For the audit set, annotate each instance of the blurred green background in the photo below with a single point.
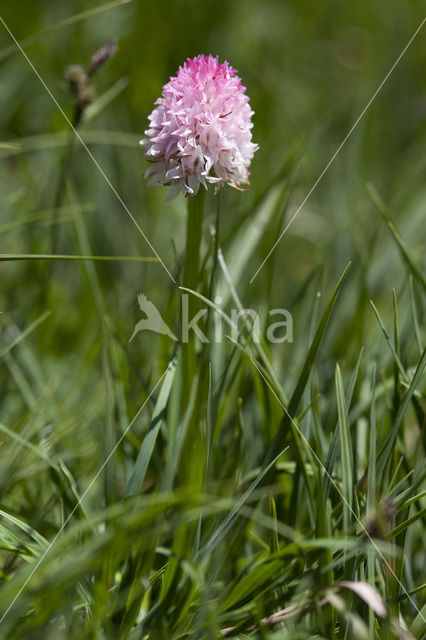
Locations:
(310, 69)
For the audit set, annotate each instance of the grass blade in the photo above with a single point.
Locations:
(8, 257)
(142, 462)
(306, 369)
(345, 452)
(386, 448)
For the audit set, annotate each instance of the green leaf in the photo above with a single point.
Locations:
(142, 462)
(251, 583)
(304, 375)
(334, 445)
(390, 343)
(386, 448)
(345, 452)
(8, 257)
(408, 259)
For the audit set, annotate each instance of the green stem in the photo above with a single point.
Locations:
(190, 280)
(193, 240)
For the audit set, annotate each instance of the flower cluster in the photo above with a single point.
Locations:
(200, 130)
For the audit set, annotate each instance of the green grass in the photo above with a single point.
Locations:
(230, 489)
